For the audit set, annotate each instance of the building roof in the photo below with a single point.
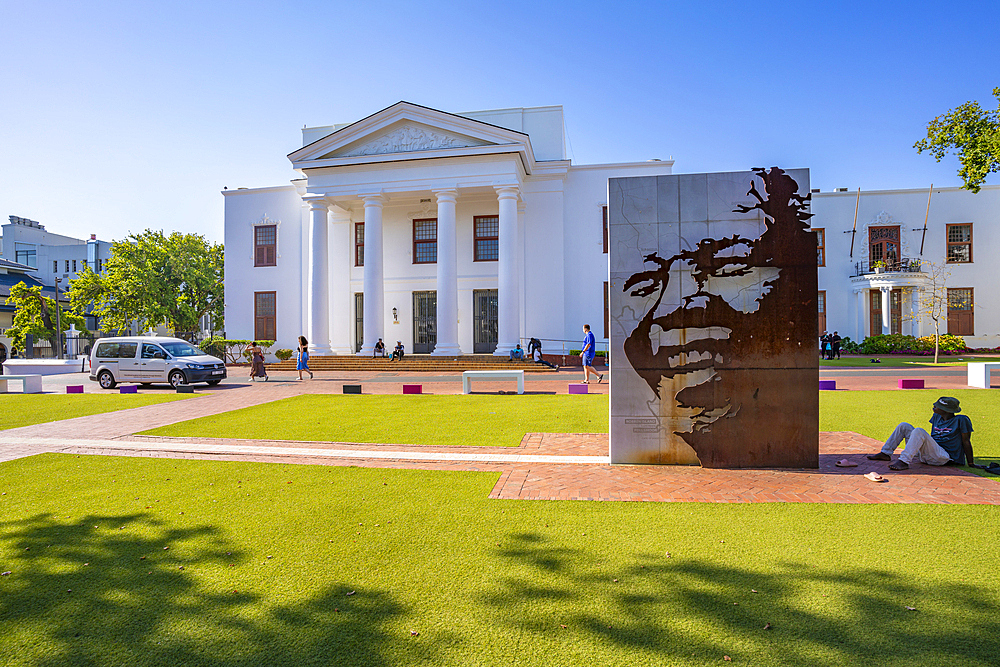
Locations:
(7, 264)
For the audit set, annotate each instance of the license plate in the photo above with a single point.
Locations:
(217, 372)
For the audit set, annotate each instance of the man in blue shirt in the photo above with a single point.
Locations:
(588, 353)
(949, 441)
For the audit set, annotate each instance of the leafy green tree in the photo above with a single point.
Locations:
(151, 279)
(36, 315)
(973, 135)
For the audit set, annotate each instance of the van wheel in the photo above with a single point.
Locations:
(106, 380)
(177, 379)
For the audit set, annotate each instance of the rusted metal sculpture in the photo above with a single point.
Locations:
(745, 377)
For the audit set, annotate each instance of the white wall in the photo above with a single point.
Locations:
(243, 209)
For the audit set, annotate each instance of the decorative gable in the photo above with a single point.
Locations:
(407, 131)
(407, 138)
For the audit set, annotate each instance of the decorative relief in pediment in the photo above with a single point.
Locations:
(408, 139)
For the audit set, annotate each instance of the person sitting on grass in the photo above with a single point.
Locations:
(517, 353)
(949, 442)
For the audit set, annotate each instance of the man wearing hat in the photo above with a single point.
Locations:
(949, 440)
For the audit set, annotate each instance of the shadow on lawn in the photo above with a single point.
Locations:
(685, 608)
(82, 593)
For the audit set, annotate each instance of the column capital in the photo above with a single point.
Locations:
(446, 194)
(507, 191)
(372, 199)
(316, 202)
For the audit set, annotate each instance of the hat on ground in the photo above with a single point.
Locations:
(948, 404)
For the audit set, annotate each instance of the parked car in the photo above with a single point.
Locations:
(148, 359)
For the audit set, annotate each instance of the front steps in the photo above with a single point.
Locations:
(412, 363)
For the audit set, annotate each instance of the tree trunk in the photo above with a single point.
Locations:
(937, 339)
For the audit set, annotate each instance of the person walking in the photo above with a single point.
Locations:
(302, 361)
(587, 355)
(257, 362)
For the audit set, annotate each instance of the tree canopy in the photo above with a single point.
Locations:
(35, 314)
(973, 135)
(152, 278)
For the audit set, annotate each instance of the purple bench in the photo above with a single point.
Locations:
(413, 388)
(128, 389)
(827, 385)
(578, 388)
(910, 383)
(74, 389)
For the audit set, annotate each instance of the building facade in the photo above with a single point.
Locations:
(467, 233)
(875, 274)
(453, 233)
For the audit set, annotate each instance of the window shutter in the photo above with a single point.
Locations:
(260, 257)
(270, 256)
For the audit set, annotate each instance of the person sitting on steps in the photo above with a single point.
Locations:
(517, 353)
(397, 352)
(379, 349)
(948, 443)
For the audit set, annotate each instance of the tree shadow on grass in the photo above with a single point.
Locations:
(677, 609)
(128, 589)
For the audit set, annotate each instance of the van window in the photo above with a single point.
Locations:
(107, 350)
(150, 351)
(127, 350)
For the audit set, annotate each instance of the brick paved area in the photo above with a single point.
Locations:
(544, 466)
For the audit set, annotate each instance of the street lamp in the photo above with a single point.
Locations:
(58, 322)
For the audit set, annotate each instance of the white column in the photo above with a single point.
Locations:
(885, 310)
(340, 281)
(374, 289)
(508, 324)
(447, 275)
(862, 307)
(918, 317)
(319, 276)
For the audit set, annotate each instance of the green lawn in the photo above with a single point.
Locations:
(876, 414)
(899, 361)
(131, 561)
(394, 419)
(27, 409)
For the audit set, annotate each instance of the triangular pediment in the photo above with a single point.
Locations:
(410, 131)
(406, 137)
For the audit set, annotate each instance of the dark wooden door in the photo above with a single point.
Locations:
(485, 304)
(424, 322)
(883, 245)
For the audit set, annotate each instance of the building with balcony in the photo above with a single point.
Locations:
(873, 275)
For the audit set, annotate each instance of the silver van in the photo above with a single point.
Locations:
(149, 359)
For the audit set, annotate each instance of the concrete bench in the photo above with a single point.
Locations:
(469, 376)
(352, 388)
(827, 385)
(579, 388)
(979, 374)
(910, 383)
(30, 384)
(413, 388)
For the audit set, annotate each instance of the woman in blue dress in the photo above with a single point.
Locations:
(302, 361)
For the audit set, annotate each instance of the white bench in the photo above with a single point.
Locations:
(30, 384)
(979, 374)
(469, 376)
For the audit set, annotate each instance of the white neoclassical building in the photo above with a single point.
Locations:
(453, 233)
(465, 233)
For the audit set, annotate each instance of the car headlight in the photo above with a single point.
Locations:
(197, 367)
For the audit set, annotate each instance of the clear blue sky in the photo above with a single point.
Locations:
(119, 116)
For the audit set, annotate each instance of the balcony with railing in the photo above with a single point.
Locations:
(904, 265)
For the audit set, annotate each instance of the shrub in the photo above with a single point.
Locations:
(231, 351)
(849, 346)
(283, 354)
(902, 344)
(599, 353)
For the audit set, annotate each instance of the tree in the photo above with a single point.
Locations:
(933, 300)
(36, 315)
(152, 279)
(972, 134)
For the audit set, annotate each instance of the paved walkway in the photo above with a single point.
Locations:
(543, 466)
